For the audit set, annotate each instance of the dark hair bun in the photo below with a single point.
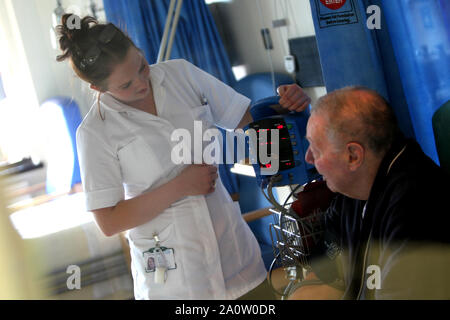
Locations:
(70, 31)
(94, 49)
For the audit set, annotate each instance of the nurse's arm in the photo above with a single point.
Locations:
(128, 214)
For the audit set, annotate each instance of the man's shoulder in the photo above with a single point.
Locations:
(414, 196)
(416, 172)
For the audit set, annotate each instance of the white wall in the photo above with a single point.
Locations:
(50, 78)
(32, 74)
(244, 20)
(60, 79)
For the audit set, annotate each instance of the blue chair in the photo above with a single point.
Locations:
(259, 85)
(61, 116)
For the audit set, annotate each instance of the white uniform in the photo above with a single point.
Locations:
(216, 254)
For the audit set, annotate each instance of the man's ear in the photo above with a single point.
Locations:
(94, 87)
(356, 155)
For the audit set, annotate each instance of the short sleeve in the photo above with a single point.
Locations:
(227, 106)
(100, 171)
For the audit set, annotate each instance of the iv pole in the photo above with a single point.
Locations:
(166, 47)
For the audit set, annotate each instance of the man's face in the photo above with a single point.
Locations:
(329, 161)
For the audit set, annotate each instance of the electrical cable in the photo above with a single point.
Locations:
(291, 194)
(288, 289)
(272, 71)
(270, 275)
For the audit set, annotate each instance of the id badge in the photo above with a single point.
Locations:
(159, 257)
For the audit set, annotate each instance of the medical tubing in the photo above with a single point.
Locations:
(270, 275)
(288, 289)
(282, 213)
(273, 179)
(303, 283)
(282, 210)
(272, 201)
(291, 194)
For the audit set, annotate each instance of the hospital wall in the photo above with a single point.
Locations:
(240, 23)
(33, 21)
(35, 74)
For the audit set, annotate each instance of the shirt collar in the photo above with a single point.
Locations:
(388, 164)
(108, 101)
(397, 149)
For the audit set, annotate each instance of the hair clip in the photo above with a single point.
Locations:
(107, 34)
(93, 53)
(90, 57)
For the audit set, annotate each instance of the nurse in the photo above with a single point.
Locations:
(187, 237)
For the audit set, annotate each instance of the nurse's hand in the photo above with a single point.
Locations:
(197, 179)
(293, 97)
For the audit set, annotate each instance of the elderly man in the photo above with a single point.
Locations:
(387, 231)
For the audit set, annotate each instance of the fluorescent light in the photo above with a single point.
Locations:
(239, 71)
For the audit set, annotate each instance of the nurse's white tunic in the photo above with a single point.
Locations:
(216, 254)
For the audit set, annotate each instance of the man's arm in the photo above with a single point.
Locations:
(325, 261)
(316, 291)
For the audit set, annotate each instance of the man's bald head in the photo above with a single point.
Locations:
(358, 114)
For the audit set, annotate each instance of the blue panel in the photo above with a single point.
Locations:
(347, 52)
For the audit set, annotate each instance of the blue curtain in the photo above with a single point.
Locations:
(197, 41)
(420, 35)
(407, 60)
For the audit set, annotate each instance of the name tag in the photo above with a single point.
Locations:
(159, 257)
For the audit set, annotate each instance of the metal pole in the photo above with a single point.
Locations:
(162, 47)
(174, 29)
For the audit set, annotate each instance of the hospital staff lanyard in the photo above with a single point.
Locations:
(160, 263)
